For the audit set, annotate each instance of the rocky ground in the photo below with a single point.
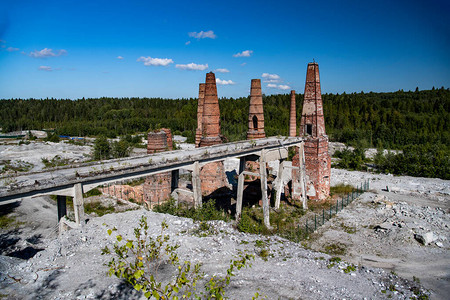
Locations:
(378, 233)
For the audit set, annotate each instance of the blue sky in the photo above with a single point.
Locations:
(74, 49)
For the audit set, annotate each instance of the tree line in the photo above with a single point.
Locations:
(392, 120)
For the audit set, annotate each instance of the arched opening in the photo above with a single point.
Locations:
(255, 123)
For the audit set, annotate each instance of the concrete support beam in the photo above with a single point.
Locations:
(265, 198)
(279, 186)
(251, 173)
(196, 185)
(78, 204)
(302, 170)
(240, 189)
(62, 209)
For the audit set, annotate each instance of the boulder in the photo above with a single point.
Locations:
(425, 239)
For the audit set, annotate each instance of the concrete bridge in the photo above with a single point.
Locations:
(75, 180)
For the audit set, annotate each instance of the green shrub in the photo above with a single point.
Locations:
(138, 262)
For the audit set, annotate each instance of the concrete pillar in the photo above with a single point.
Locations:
(62, 209)
(240, 189)
(302, 172)
(175, 179)
(279, 186)
(78, 204)
(196, 185)
(265, 199)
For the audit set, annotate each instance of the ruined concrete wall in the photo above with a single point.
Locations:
(201, 100)
(317, 159)
(293, 116)
(256, 112)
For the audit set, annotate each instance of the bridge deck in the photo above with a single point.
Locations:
(61, 180)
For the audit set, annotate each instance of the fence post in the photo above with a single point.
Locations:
(306, 228)
(315, 222)
(323, 216)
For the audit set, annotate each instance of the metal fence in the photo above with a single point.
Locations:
(311, 225)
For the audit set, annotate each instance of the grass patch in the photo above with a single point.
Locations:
(15, 166)
(56, 161)
(91, 193)
(98, 208)
(348, 229)
(341, 189)
(6, 221)
(207, 212)
(335, 249)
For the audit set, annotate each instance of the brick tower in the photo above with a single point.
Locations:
(256, 112)
(201, 99)
(157, 187)
(312, 128)
(212, 175)
(293, 116)
(211, 114)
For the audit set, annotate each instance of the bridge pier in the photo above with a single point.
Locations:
(78, 204)
(196, 185)
(265, 198)
(279, 186)
(62, 209)
(240, 189)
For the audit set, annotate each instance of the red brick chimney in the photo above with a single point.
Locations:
(312, 127)
(211, 113)
(293, 116)
(212, 175)
(201, 99)
(256, 112)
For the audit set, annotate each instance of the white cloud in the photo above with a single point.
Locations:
(243, 64)
(271, 77)
(47, 53)
(222, 70)
(119, 57)
(203, 34)
(192, 66)
(284, 87)
(245, 53)
(278, 86)
(224, 82)
(12, 49)
(187, 43)
(45, 68)
(150, 61)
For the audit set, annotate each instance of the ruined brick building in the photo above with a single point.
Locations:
(157, 188)
(312, 128)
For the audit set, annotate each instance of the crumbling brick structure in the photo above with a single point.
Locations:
(201, 99)
(157, 188)
(212, 175)
(256, 112)
(312, 128)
